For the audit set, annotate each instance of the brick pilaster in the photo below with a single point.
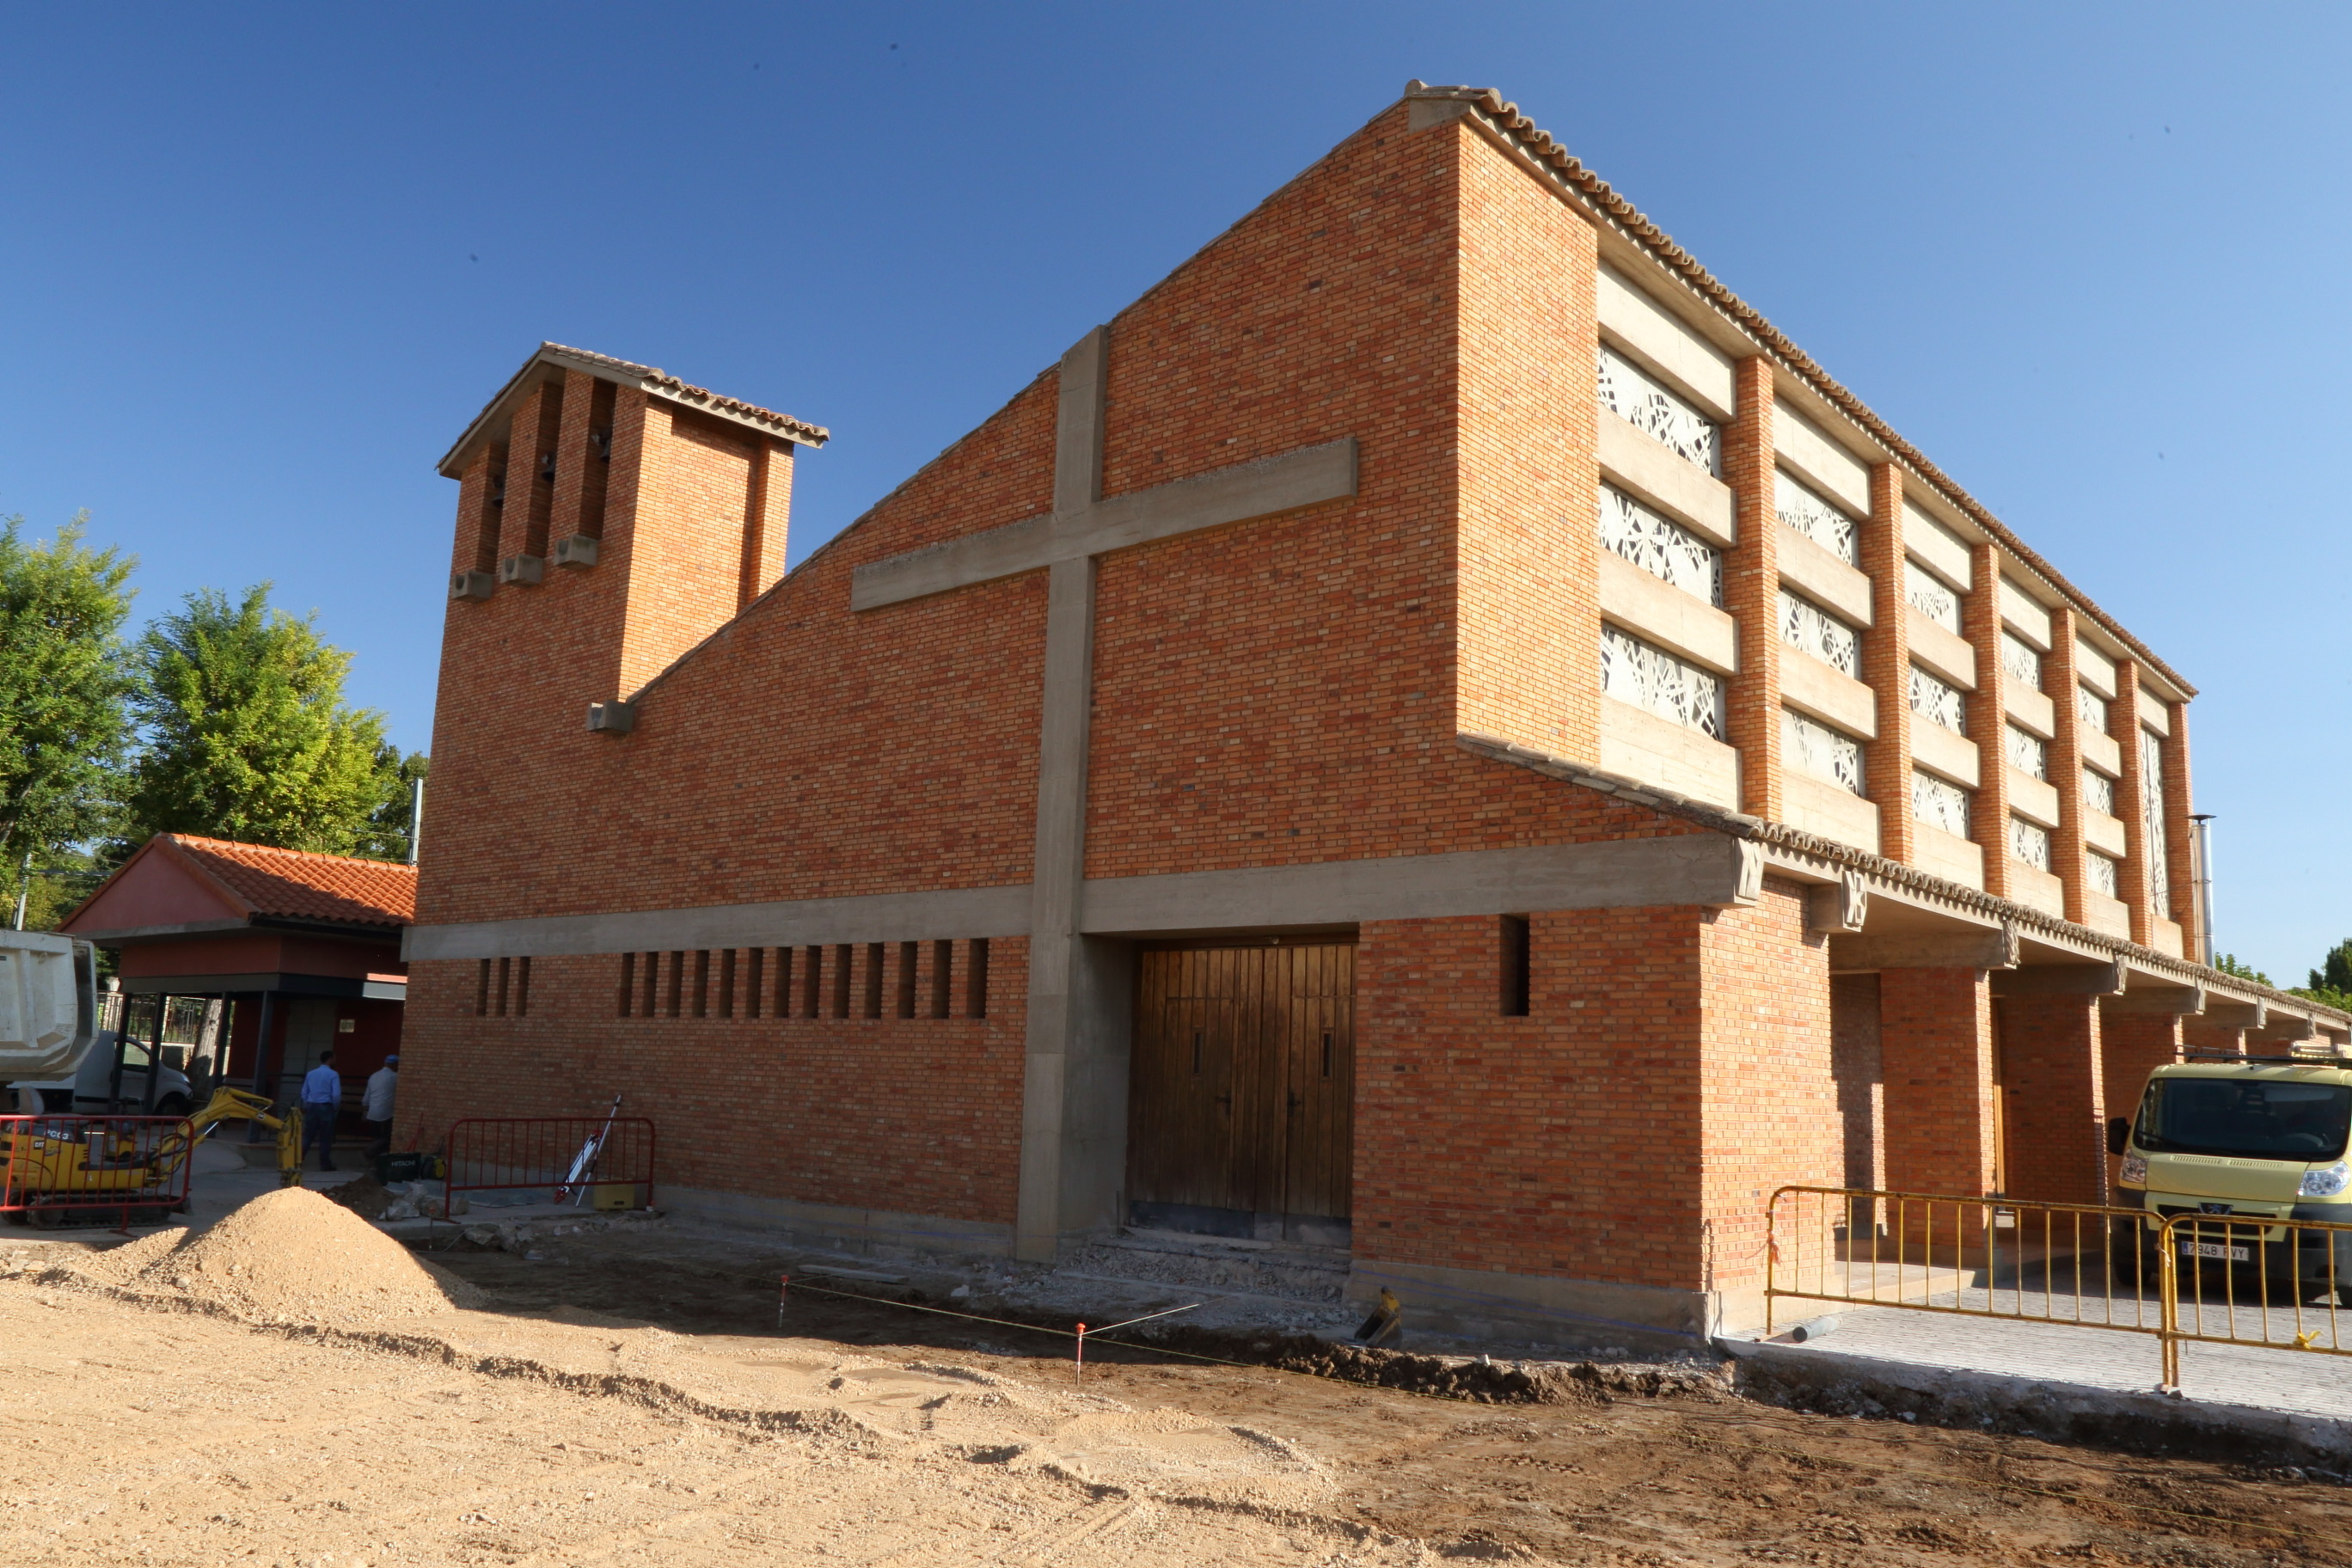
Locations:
(477, 524)
(1751, 591)
(2181, 835)
(2123, 722)
(2053, 1098)
(526, 495)
(1987, 717)
(572, 456)
(1887, 662)
(2061, 677)
(767, 519)
(2131, 1046)
(1935, 1045)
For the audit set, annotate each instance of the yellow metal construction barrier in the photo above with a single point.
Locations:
(2212, 1279)
(2245, 1280)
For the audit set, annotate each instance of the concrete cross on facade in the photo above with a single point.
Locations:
(1075, 1082)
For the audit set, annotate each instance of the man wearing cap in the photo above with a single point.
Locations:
(375, 1107)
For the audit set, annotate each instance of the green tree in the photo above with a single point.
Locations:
(2228, 965)
(245, 734)
(387, 835)
(2331, 983)
(65, 688)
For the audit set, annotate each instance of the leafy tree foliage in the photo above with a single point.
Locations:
(2331, 983)
(387, 835)
(245, 735)
(64, 687)
(2228, 965)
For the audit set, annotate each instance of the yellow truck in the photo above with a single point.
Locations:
(2247, 1145)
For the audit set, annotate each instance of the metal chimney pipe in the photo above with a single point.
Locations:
(416, 818)
(2204, 842)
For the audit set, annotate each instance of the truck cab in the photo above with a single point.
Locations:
(2243, 1139)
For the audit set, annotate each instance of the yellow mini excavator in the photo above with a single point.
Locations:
(60, 1167)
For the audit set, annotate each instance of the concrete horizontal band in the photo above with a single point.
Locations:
(1704, 868)
(1482, 1304)
(348, 985)
(792, 922)
(881, 1233)
(1305, 477)
(1692, 869)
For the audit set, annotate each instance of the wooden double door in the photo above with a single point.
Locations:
(1242, 1085)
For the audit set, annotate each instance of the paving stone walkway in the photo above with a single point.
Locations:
(2059, 1352)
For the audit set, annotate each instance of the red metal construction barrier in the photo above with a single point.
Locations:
(493, 1154)
(87, 1170)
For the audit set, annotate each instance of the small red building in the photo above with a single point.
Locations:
(304, 949)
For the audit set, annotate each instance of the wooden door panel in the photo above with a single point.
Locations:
(1242, 1079)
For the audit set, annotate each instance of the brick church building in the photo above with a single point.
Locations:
(1437, 732)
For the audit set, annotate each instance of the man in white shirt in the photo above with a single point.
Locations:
(322, 1102)
(375, 1105)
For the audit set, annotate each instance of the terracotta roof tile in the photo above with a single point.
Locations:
(298, 885)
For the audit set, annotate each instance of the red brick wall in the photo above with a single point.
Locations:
(1673, 1068)
(1935, 1050)
(2053, 1098)
(918, 1116)
(2132, 1045)
(1525, 601)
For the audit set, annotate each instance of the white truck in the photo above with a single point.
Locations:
(54, 1059)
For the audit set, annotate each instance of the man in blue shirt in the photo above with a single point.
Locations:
(322, 1100)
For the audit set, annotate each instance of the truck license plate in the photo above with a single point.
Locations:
(2218, 1250)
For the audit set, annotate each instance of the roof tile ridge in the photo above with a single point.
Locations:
(1544, 148)
(1741, 824)
(176, 846)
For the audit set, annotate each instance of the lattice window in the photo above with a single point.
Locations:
(2151, 795)
(1631, 394)
(2027, 753)
(1938, 702)
(1634, 671)
(1939, 804)
(1816, 519)
(2030, 842)
(1821, 751)
(2091, 709)
(2098, 791)
(2021, 660)
(1661, 546)
(2105, 875)
(1806, 625)
(1930, 598)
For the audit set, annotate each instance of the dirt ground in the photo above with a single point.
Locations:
(623, 1400)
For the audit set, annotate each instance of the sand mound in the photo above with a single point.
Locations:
(292, 1254)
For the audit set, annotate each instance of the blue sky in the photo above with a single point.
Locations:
(261, 264)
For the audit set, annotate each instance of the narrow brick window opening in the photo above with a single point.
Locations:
(727, 983)
(653, 986)
(942, 975)
(755, 963)
(629, 982)
(482, 991)
(677, 983)
(873, 980)
(523, 987)
(812, 983)
(841, 951)
(702, 982)
(506, 979)
(1514, 941)
(975, 993)
(908, 953)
